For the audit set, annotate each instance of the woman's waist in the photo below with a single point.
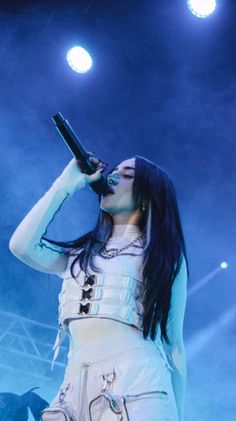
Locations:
(82, 331)
(97, 339)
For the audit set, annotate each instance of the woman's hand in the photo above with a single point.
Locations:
(101, 166)
(72, 178)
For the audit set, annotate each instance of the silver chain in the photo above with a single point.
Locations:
(109, 254)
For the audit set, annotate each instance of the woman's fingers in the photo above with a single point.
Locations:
(94, 160)
(101, 166)
(97, 161)
(95, 176)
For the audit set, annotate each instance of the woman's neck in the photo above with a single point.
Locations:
(126, 230)
(129, 217)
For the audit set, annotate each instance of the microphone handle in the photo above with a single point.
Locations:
(82, 156)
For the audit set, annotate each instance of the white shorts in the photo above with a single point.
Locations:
(122, 378)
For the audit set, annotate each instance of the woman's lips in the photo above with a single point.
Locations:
(110, 192)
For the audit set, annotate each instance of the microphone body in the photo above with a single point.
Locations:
(101, 187)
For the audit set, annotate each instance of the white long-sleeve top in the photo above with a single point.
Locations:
(27, 244)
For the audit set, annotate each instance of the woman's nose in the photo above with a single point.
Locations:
(113, 178)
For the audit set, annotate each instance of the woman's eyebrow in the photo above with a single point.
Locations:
(126, 167)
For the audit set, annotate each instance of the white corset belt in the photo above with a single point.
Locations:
(109, 296)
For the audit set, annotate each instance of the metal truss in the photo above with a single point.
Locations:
(26, 346)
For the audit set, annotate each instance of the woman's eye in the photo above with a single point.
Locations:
(128, 176)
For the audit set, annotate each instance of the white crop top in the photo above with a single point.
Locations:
(115, 292)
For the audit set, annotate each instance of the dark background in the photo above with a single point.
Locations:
(163, 86)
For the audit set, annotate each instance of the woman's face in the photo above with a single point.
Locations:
(121, 179)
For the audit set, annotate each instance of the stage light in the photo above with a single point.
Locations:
(79, 59)
(201, 8)
(224, 265)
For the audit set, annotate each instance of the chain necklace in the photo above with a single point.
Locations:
(109, 254)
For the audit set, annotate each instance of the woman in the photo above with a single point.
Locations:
(123, 296)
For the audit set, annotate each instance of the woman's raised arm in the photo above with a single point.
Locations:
(27, 243)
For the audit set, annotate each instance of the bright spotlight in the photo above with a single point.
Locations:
(224, 265)
(201, 8)
(79, 59)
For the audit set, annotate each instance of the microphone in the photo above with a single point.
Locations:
(101, 187)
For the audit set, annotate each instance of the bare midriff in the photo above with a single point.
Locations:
(89, 329)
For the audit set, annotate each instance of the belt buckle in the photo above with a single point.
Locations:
(87, 294)
(90, 280)
(129, 282)
(84, 308)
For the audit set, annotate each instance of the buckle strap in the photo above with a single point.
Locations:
(102, 279)
(91, 309)
(107, 296)
(56, 347)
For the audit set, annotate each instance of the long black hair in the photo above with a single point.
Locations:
(164, 250)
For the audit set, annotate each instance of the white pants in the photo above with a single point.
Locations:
(124, 378)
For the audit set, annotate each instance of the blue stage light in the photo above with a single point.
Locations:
(79, 59)
(201, 8)
(224, 265)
